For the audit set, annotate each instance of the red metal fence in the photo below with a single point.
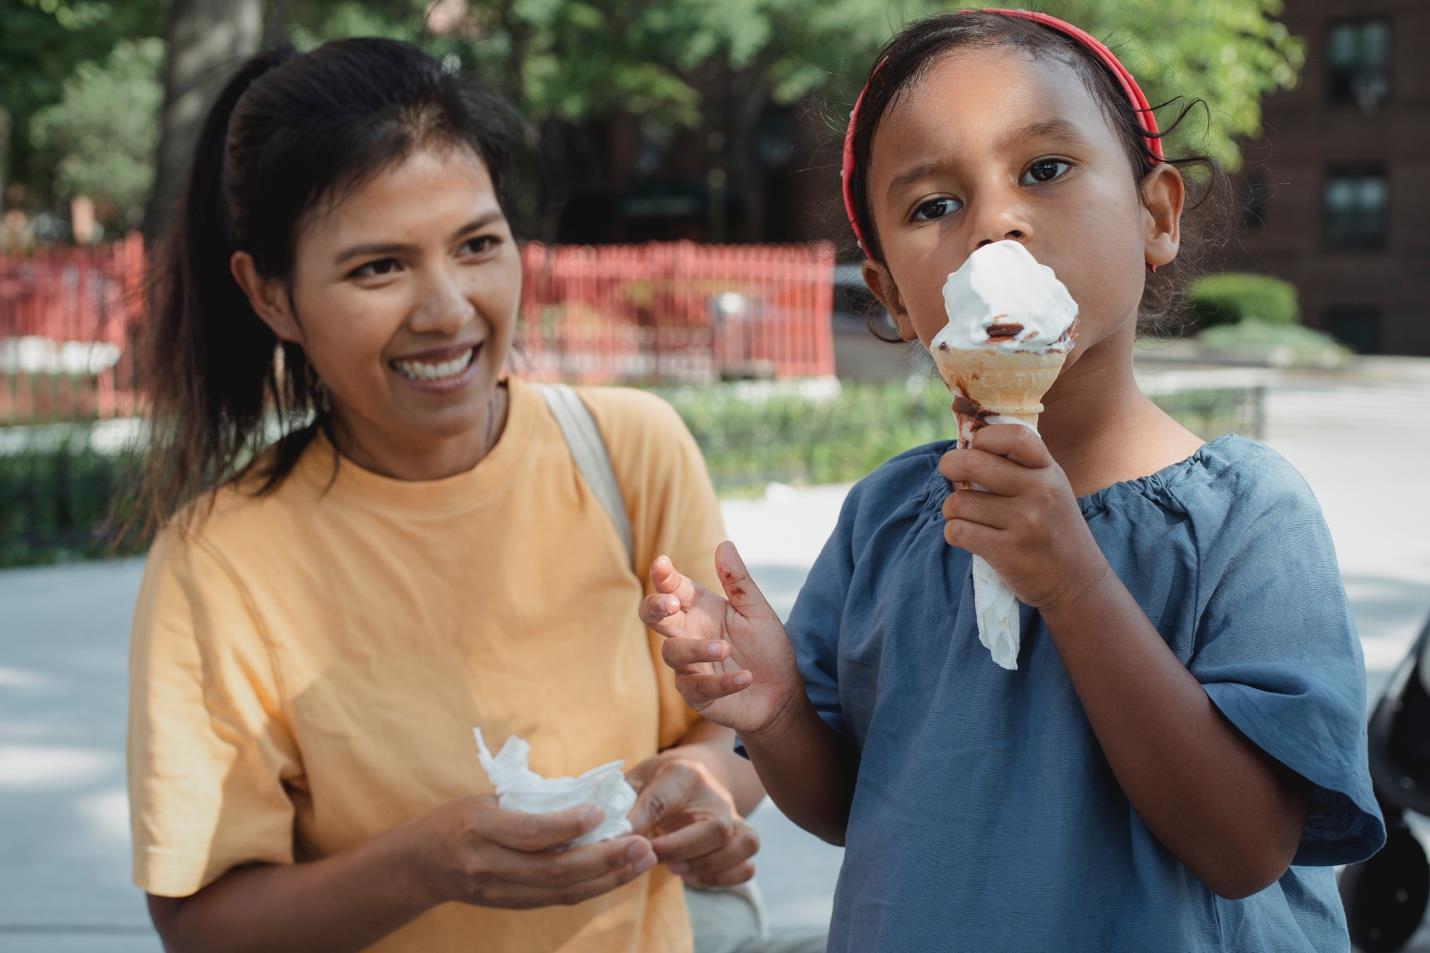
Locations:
(65, 319)
(660, 313)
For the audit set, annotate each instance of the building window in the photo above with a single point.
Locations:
(1355, 326)
(1358, 61)
(1356, 209)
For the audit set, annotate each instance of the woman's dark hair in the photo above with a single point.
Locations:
(289, 135)
(906, 58)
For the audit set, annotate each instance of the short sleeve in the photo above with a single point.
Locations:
(1278, 654)
(208, 752)
(673, 511)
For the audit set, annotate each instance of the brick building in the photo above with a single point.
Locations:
(1338, 188)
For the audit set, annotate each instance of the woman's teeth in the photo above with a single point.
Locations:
(422, 371)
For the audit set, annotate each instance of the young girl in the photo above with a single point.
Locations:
(1179, 758)
(319, 630)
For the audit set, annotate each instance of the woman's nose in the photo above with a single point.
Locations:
(444, 308)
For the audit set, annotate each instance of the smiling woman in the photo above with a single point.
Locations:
(325, 616)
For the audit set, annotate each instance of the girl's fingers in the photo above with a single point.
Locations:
(708, 688)
(975, 506)
(740, 589)
(1018, 443)
(681, 653)
(668, 580)
(656, 609)
(976, 538)
(994, 473)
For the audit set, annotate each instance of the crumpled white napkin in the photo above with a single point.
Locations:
(521, 789)
(997, 610)
(994, 605)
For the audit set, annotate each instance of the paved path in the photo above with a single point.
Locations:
(63, 828)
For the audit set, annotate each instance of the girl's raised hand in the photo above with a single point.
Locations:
(732, 660)
(1025, 521)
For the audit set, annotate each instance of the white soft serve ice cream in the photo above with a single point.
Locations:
(1003, 288)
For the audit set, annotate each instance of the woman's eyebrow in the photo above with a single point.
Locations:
(393, 248)
(1059, 130)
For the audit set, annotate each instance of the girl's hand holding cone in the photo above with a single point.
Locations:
(1025, 521)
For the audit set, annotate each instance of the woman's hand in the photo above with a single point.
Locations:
(478, 853)
(733, 663)
(692, 819)
(1025, 521)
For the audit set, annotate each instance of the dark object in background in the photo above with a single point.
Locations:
(1385, 897)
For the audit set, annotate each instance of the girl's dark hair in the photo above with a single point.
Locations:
(906, 58)
(289, 135)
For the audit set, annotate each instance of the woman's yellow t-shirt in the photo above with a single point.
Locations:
(307, 666)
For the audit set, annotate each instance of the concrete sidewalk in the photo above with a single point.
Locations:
(64, 883)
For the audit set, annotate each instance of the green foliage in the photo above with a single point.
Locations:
(100, 138)
(789, 438)
(55, 502)
(1277, 344)
(576, 59)
(1231, 297)
(42, 43)
(1228, 53)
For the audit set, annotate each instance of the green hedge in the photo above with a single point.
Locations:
(53, 502)
(1232, 297)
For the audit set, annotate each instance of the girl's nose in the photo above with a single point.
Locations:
(444, 308)
(1001, 216)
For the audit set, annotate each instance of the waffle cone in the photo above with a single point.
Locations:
(1001, 383)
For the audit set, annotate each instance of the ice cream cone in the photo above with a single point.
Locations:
(995, 386)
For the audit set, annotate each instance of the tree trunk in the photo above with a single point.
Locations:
(208, 39)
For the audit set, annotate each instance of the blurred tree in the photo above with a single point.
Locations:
(99, 138)
(42, 42)
(717, 67)
(713, 68)
(207, 39)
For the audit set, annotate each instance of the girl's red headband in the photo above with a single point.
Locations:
(1129, 85)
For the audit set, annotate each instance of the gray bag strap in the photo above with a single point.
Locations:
(587, 448)
(716, 927)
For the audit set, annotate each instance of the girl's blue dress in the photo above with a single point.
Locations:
(985, 817)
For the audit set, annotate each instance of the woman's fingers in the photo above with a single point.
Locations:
(738, 848)
(516, 830)
(519, 895)
(575, 866)
(698, 839)
(728, 877)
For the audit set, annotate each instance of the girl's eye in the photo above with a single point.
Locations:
(480, 244)
(375, 269)
(936, 208)
(1045, 170)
